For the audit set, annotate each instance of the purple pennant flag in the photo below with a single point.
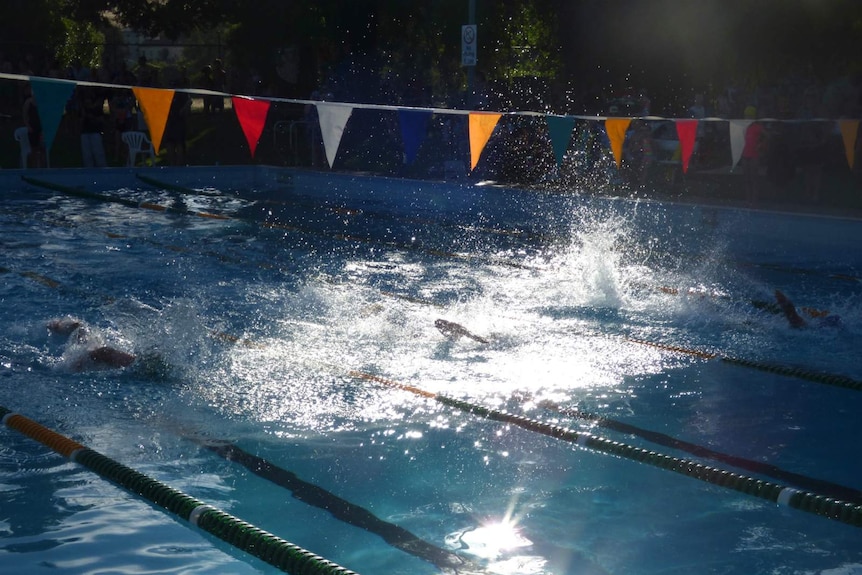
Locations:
(51, 97)
(414, 127)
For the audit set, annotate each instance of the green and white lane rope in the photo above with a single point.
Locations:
(244, 536)
(817, 504)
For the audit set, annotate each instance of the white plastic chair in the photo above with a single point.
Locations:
(138, 143)
(22, 136)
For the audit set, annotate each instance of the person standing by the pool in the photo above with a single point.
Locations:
(92, 126)
(34, 129)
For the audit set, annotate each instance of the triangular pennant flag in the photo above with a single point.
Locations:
(687, 132)
(737, 139)
(414, 127)
(333, 119)
(560, 129)
(156, 105)
(51, 99)
(481, 126)
(849, 129)
(616, 130)
(251, 114)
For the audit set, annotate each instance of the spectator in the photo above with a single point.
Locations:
(92, 126)
(219, 80)
(206, 82)
(177, 127)
(34, 129)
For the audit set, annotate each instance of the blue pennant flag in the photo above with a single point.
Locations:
(414, 127)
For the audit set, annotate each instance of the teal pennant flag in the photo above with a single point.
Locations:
(51, 99)
(560, 129)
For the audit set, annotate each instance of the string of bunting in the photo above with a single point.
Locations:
(251, 111)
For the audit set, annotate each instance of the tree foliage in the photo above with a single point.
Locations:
(294, 45)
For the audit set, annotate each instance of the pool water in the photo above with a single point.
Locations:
(255, 331)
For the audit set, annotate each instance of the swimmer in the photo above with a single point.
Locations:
(98, 357)
(796, 321)
(455, 331)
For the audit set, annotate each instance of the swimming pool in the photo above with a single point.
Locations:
(300, 330)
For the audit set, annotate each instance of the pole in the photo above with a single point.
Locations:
(471, 70)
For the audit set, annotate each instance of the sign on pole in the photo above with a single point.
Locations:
(468, 45)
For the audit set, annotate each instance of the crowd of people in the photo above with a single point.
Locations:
(98, 116)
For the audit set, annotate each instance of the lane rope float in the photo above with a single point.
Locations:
(833, 379)
(542, 238)
(405, 246)
(836, 509)
(119, 200)
(339, 508)
(270, 548)
(828, 488)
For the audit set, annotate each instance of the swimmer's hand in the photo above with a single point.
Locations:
(455, 331)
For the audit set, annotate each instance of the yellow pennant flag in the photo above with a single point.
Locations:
(849, 129)
(616, 130)
(481, 126)
(155, 103)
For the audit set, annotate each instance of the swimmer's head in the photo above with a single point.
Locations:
(64, 325)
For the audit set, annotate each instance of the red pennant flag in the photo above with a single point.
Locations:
(686, 130)
(251, 114)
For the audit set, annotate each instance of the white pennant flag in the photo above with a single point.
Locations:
(333, 118)
(737, 139)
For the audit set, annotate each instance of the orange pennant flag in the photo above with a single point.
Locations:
(481, 126)
(849, 129)
(156, 105)
(616, 130)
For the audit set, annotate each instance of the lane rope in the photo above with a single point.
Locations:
(339, 508)
(833, 379)
(541, 238)
(270, 548)
(836, 509)
(829, 488)
(405, 246)
(119, 200)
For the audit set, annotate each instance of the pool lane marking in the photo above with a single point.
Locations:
(339, 508)
(119, 200)
(399, 245)
(838, 510)
(833, 379)
(834, 490)
(764, 305)
(341, 210)
(836, 380)
(54, 284)
(270, 548)
(405, 246)
(802, 271)
(829, 488)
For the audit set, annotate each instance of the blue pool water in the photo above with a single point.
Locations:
(251, 330)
